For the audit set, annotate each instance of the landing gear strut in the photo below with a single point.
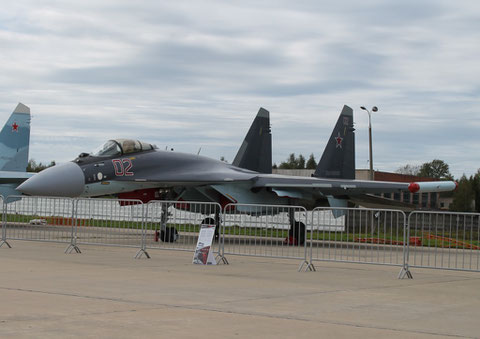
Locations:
(167, 233)
(296, 233)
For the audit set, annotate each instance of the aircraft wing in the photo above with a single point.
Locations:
(336, 187)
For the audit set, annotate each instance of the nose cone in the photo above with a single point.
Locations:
(65, 180)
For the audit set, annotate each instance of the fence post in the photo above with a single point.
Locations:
(73, 239)
(4, 224)
(143, 246)
(307, 262)
(221, 236)
(405, 270)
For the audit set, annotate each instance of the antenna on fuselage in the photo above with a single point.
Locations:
(198, 153)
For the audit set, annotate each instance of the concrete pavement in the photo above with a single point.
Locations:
(104, 292)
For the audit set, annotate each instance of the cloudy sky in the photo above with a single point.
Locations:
(191, 74)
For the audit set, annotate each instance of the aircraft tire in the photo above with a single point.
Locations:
(297, 231)
(170, 234)
(208, 221)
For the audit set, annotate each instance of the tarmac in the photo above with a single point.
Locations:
(105, 292)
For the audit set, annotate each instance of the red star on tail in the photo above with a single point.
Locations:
(339, 140)
(15, 127)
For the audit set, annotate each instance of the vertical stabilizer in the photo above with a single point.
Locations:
(338, 159)
(15, 140)
(255, 153)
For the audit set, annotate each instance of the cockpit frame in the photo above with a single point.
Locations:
(118, 147)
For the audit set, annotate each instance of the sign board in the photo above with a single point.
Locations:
(203, 253)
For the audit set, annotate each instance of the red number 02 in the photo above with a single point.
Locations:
(122, 167)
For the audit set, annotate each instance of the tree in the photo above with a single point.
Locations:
(311, 163)
(301, 162)
(34, 167)
(463, 196)
(290, 163)
(409, 169)
(293, 162)
(475, 181)
(437, 169)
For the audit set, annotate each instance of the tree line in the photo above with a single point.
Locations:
(34, 167)
(466, 198)
(294, 162)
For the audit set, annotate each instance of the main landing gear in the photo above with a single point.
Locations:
(166, 233)
(296, 233)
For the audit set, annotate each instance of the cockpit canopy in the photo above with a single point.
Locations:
(122, 146)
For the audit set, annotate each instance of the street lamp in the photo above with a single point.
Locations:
(374, 109)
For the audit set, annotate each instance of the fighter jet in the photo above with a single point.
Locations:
(138, 170)
(14, 144)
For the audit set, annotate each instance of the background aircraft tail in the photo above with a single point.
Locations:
(15, 140)
(255, 153)
(338, 158)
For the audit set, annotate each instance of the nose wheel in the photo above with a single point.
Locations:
(169, 234)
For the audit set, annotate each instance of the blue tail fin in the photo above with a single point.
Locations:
(15, 140)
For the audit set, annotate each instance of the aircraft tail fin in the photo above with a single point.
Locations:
(338, 158)
(15, 140)
(255, 153)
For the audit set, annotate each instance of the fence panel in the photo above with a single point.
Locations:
(37, 219)
(374, 236)
(109, 222)
(264, 231)
(3, 239)
(175, 225)
(444, 240)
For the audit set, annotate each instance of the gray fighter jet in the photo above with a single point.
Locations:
(137, 170)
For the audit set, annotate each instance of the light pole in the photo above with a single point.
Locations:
(374, 109)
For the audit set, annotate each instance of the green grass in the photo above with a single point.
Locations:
(392, 235)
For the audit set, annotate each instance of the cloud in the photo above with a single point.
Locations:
(189, 74)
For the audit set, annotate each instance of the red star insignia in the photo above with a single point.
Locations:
(339, 140)
(15, 127)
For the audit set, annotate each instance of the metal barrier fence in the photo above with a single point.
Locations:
(175, 225)
(265, 231)
(37, 219)
(444, 240)
(109, 222)
(3, 239)
(373, 236)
